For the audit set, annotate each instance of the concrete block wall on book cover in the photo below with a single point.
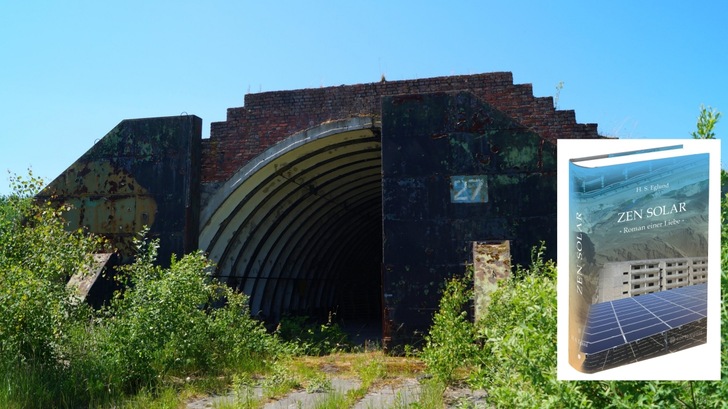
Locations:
(638, 259)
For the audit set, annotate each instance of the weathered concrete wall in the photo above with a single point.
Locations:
(455, 170)
(143, 172)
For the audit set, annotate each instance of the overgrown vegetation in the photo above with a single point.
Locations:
(314, 374)
(513, 349)
(173, 333)
(513, 352)
(37, 315)
(307, 337)
(170, 324)
(451, 341)
(707, 119)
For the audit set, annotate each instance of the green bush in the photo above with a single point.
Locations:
(450, 343)
(172, 323)
(37, 311)
(517, 337)
(308, 337)
(512, 354)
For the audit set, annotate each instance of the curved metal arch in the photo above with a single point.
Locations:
(276, 259)
(260, 242)
(299, 240)
(303, 213)
(337, 242)
(223, 202)
(274, 225)
(314, 243)
(323, 222)
(298, 197)
(254, 191)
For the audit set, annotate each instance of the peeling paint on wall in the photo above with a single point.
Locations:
(144, 172)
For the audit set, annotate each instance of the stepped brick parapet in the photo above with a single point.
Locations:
(268, 117)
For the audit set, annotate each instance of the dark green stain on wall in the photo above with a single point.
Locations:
(427, 139)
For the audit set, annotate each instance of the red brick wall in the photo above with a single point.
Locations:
(269, 117)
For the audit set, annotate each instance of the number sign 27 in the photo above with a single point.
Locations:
(468, 189)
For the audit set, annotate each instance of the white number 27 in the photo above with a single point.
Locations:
(467, 190)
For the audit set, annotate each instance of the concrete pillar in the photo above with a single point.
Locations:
(491, 263)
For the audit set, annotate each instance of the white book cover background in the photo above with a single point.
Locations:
(700, 362)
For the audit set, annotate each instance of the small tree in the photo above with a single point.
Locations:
(706, 122)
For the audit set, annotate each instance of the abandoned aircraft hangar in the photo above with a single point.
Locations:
(356, 199)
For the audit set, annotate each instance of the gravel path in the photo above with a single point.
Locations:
(399, 394)
(339, 374)
(395, 395)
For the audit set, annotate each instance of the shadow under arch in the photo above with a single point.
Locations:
(299, 227)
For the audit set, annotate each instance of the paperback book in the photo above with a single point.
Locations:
(638, 254)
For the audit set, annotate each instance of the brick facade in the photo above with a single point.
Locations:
(269, 117)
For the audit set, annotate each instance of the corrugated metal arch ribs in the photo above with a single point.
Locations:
(298, 228)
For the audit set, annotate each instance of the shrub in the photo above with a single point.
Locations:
(176, 321)
(516, 360)
(308, 337)
(513, 352)
(450, 342)
(37, 312)
(56, 352)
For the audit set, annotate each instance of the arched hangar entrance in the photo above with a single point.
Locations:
(299, 228)
(365, 217)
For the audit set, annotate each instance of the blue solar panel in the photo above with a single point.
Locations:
(614, 323)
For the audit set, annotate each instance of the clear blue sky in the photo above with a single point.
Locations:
(72, 70)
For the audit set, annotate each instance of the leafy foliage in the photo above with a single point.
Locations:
(169, 324)
(33, 237)
(37, 312)
(450, 342)
(307, 337)
(512, 354)
(516, 360)
(707, 120)
(174, 322)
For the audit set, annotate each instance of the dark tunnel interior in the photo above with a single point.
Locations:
(300, 231)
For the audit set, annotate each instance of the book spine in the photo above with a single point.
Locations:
(578, 307)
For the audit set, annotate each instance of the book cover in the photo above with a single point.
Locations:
(638, 254)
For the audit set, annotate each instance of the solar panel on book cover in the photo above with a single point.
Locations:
(635, 328)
